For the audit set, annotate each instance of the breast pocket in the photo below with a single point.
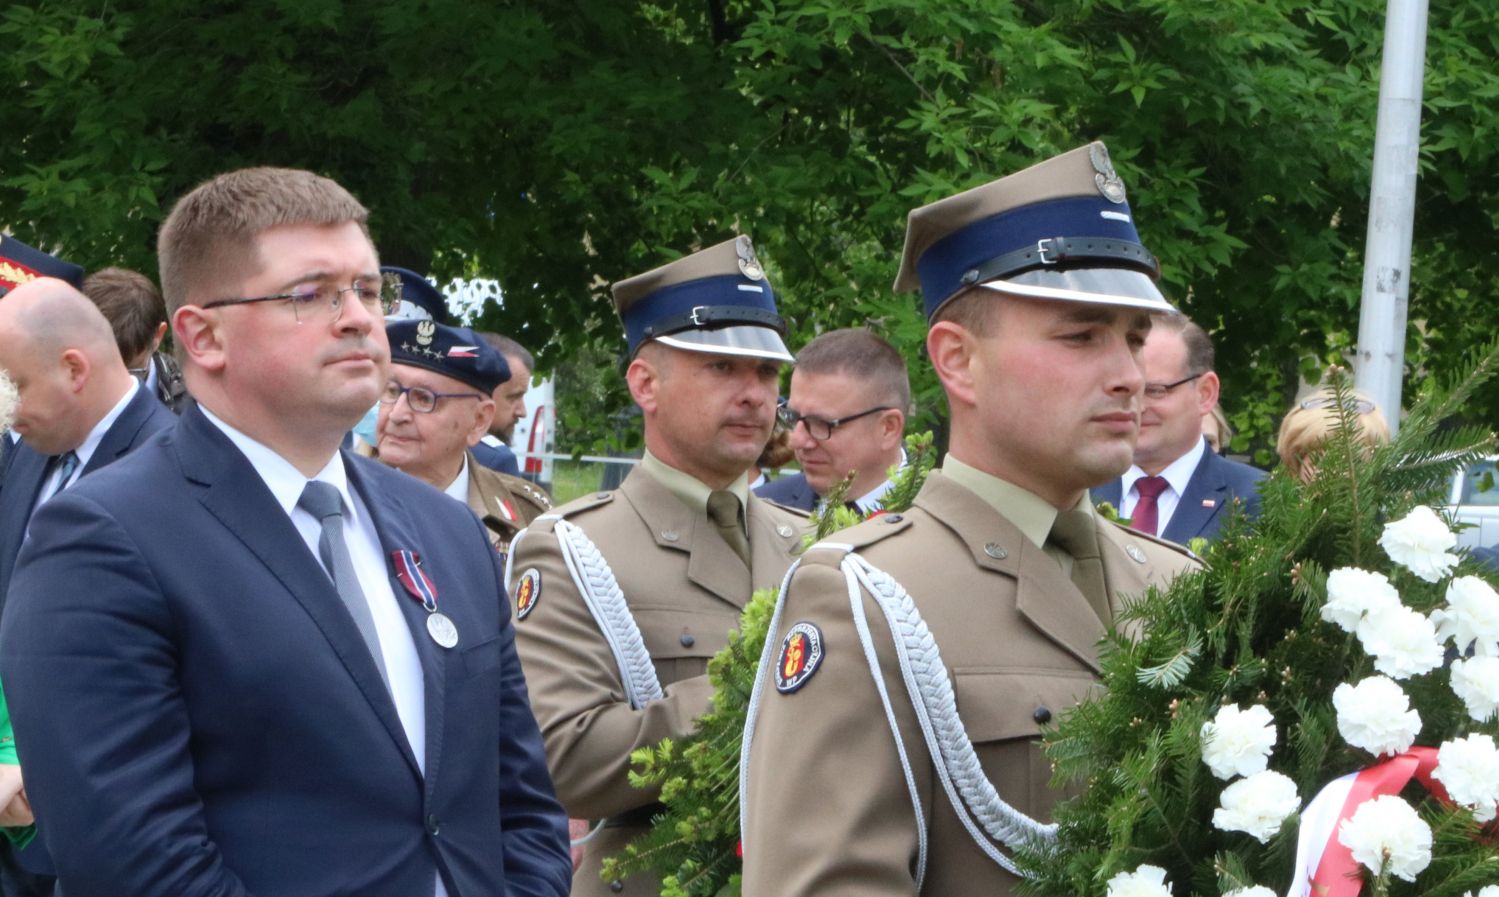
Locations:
(481, 658)
(680, 641)
(1004, 711)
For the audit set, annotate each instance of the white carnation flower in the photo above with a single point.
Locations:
(1476, 681)
(1352, 593)
(1238, 742)
(1469, 769)
(1471, 616)
(1420, 542)
(1387, 827)
(1402, 642)
(8, 401)
(1487, 891)
(1375, 715)
(1146, 881)
(1257, 891)
(1257, 805)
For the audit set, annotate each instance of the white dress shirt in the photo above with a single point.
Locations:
(1177, 474)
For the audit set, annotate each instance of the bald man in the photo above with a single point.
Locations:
(78, 407)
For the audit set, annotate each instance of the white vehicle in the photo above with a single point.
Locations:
(1474, 499)
(535, 433)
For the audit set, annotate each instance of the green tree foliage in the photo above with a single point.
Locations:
(1245, 631)
(558, 147)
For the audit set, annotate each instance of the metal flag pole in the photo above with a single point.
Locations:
(1392, 206)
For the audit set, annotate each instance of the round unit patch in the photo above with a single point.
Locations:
(527, 593)
(801, 654)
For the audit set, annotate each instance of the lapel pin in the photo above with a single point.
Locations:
(1209, 503)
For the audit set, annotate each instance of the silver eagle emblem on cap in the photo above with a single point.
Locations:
(749, 265)
(1107, 179)
(425, 330)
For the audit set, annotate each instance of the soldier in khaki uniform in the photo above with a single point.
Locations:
(621, 597)
(892, 746)
(437, 404)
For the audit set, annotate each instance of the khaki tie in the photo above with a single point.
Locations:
(723, 509)
(1074, 533)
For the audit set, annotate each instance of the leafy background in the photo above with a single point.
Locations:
(557, 147)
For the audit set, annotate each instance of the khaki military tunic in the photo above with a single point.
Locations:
(685, 587)
(828, 809)
(505, 503)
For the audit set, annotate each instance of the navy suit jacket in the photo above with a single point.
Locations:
(197, 713)
(499, 458)
(791, 491)
(1217, 480)
(26, 469)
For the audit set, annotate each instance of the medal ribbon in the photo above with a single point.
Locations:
(418, 584)
(1338, 873)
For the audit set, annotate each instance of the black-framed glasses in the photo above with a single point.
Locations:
(1161, 390)
(1361, 406)
(421, 399)
(311, 300)
(821, 428)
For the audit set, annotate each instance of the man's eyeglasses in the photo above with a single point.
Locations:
(421, 399)
(1161, 390)
(313, 300)
(821, 428)
(1361, 406)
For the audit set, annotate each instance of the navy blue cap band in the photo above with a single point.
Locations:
(723, 301)
(943, 266)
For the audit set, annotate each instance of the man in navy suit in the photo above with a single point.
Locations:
(850, 394)
(1178, 487)
(78, 410)
(243, 662)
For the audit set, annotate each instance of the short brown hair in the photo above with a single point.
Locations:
(973, 310)
(1200, 354)
(210, 234)
(508, 348)
(131, 303)
(860, 354)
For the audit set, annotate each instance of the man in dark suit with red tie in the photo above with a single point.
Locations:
(241, 661)
(1179, 488)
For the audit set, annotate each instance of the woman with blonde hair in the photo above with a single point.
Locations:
(1310, 422)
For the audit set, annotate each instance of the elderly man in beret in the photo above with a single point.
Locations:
(1039, 297)
(436, 406)
(622, 597)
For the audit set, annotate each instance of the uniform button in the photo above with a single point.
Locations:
(432, 824)
(616, 886)
(892, 518)
(1042, 716)
(687, 640)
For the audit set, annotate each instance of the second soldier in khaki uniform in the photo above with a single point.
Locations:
(622, 597)
(893, 745)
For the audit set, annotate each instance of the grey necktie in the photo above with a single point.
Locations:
(323, 501)
(67, 463)
(1074, 532)
(723, 509)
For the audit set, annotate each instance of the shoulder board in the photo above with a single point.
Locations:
(875, 529)
(1156, 541)
(579, 505)
(527, 490)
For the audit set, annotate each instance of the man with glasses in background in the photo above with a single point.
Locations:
(1178, 488)
(846, 414)
(240, 661)
(436, 406)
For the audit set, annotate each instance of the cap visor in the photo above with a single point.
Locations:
(1101, 286)
(754, 342)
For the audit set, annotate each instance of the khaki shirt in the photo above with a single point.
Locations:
(828, 811)
(505, 503)
(685, 587)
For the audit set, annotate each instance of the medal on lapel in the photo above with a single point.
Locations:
(420, 586)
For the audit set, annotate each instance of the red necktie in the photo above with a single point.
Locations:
(1146, 514)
